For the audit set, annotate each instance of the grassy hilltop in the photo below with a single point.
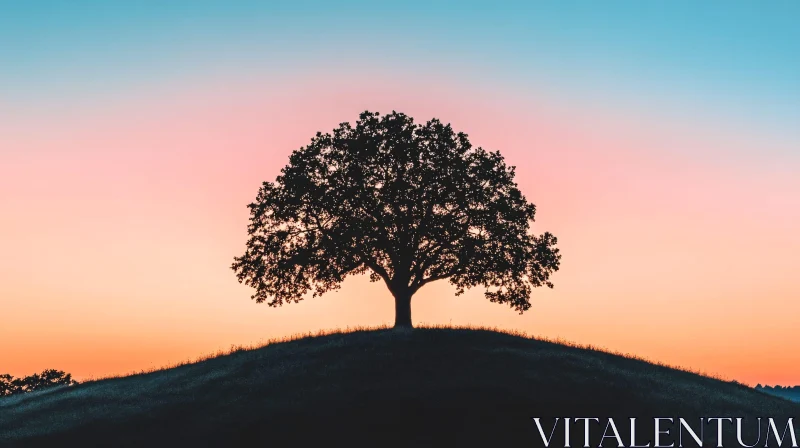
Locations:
(426, 387)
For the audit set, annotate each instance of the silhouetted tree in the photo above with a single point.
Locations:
(7, 385)
(409, 204)
(48, 378)
(38, 381)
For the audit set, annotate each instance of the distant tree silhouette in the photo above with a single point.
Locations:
(789, 392)
(7, 386)
(409, 204)
(38, 381)
(48, 378)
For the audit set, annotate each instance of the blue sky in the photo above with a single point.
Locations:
(740, 57)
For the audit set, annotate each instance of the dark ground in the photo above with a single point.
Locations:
(426, 387)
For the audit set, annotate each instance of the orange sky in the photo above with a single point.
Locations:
(122, 216)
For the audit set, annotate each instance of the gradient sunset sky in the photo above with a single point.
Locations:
(660, 142)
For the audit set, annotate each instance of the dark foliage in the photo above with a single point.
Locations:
(38, 381)
(407, 203)
(7, 385)
(788, 392)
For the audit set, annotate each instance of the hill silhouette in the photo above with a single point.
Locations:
(789, 392)
(421, 387)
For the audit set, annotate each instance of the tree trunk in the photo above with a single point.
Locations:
(402, 310)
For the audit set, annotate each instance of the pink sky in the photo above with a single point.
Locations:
(121, 217)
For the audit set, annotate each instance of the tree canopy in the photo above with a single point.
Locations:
(408, 204)
(10, 385)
